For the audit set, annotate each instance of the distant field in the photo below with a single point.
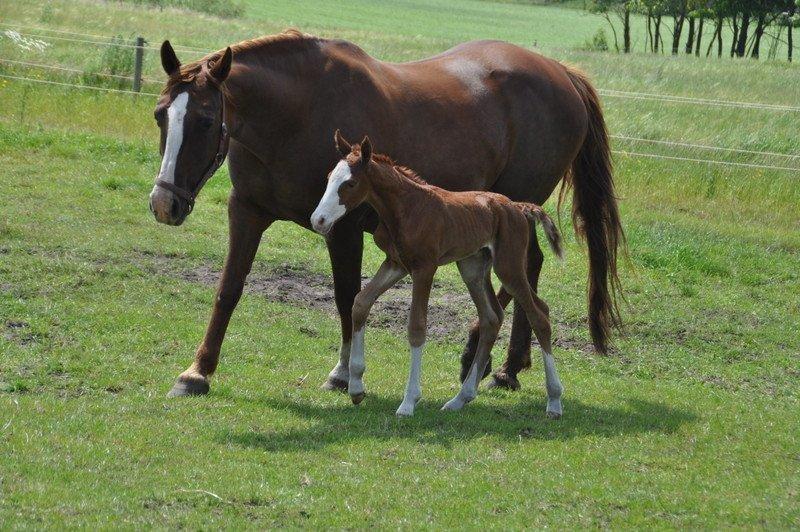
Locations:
(692, 423)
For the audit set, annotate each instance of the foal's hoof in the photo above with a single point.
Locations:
(182, 387)
(357, 398)
(503, 380)
(334, 385)
(553, 415)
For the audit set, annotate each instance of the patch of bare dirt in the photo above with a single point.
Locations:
(449, 314)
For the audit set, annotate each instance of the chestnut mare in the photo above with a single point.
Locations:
(422, 227)
(502, 118)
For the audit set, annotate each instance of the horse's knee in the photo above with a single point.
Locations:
(360, 312)
(416, 332)
(491, 323)
(227, 301)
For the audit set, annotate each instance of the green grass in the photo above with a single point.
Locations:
(693, 423)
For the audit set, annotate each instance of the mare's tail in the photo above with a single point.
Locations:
(595, 215)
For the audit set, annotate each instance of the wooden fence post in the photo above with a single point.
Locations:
(137, 69)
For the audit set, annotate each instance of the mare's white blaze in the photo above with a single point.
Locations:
(413, 388)
(175, 116)
(553, 385)
(160, 198)
(330, 207)
(355, 385)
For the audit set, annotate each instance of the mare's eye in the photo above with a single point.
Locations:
(206, 122)
(349, 183)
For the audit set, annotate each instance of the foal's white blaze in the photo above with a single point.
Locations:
(330, 207)
(161, 199)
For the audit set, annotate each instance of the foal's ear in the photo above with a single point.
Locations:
(169, 60)
(342, 146)
(222, 66)
(366, 151)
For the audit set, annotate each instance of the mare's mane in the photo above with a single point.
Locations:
(288, 40)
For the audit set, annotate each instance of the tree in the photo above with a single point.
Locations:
(620, 9)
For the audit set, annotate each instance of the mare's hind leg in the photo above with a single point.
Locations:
(509, 268)
(388, 274)
(474, 271)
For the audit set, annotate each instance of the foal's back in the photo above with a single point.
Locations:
(458, 224)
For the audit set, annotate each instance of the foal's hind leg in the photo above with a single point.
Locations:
(388, 274)
(509, 268)
(474, 271)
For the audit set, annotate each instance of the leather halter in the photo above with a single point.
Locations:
(219, 158)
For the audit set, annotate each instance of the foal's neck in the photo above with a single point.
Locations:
(392, 193)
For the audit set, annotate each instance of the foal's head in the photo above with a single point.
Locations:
(193, 134)
(348, 185)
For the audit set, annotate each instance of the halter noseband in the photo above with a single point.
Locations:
(219, 158)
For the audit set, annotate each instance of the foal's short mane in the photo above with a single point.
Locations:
(402, 170)
(288, 40)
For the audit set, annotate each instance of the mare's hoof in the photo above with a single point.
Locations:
(357, 398)
(553, 415)
(503, 380)
(334, 385)
(182, 388)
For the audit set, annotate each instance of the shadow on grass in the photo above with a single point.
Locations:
(375, 420)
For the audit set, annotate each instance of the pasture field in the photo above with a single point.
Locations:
(693, 421)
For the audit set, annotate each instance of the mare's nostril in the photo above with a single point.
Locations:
(321, 221)
(175, 209)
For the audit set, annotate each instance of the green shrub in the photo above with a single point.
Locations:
(117, 60)
(598, 42)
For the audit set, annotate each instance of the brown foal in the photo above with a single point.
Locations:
(423, 227)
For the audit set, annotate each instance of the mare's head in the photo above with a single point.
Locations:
(194, 139)
(348, 185)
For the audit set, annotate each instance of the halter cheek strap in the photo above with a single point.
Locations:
(219, 158)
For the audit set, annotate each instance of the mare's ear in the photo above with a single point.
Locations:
(222, 66)
(342, 146)
(366, 151)
(169, 60)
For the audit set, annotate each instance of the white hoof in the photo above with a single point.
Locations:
(405, 410)
(554, 409)
(456, 403)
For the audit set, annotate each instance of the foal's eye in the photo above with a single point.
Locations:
(349, 184)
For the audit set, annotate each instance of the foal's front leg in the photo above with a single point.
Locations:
(417, 328)
(388, 274)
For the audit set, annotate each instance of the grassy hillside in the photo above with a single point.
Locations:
(693, 422)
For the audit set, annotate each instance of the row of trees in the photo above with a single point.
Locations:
(751, 23)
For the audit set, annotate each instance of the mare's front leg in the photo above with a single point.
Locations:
(245, 228)
(345, 248)
(388, 274)
(417, 328)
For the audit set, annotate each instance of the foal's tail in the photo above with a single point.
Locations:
(595, 215)
(534, 214)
